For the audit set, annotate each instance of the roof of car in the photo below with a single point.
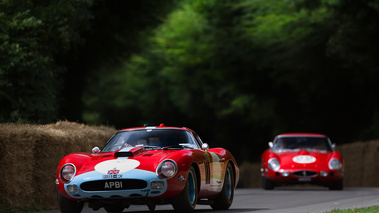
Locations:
(161, 126)
(301, 134)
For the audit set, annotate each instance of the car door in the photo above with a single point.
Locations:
(213, 167)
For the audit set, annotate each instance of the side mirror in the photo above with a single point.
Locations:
(95, 150)
(205, 147)
(333, 145)
(270, 144)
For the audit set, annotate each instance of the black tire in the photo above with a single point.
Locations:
(225, 199)
(267, 184)
(338, 185)
(69, 206)
(186, 200)
(151, 207)
(114, 209)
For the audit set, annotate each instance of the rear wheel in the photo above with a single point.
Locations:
(225, 199)
(186, 200)
(69, 206)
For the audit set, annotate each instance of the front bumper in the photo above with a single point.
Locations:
(303, 176)
(132, 184)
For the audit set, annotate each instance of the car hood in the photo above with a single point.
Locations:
(304, 159)
(132, 158)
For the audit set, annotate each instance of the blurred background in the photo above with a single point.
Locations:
(238, 72)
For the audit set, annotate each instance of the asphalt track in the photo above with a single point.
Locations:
(280, 200)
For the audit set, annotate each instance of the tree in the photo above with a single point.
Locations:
(33, 35)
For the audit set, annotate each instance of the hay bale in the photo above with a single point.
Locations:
(61, 139)
(250, 175)
(353, 155)
(370, 172)
(17, 163)
(30, 155)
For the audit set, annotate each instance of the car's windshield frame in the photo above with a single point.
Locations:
(152, 139)
(295, 143)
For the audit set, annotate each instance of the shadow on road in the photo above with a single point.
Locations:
(203, 210)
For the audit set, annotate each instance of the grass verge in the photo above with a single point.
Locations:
(372, 209)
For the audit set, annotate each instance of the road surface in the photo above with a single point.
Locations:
(280, 200)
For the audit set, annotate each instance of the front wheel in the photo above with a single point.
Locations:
(338, 185)
(69, 206)
(267, 184)
(186, 200)
(114, 209)
(225, 199)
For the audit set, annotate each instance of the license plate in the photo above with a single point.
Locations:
(304, 179)
(113, 185)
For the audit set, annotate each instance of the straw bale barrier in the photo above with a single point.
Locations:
(361, 168)
(29, 156)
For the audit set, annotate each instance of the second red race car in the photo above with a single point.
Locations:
(148, 165)
(295, 158)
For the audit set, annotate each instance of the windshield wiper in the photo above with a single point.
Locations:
(149, 147)
(176, 147)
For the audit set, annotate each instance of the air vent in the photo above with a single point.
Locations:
(123, 154)
(305, 173)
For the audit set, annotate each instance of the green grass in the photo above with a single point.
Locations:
(372, 209)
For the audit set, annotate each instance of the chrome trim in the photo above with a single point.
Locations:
(270, 165)
(96, 150)
(205, 147)
(60, 173)
(158, 172)
(340, 164)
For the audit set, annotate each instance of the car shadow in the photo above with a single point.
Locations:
(204, 210)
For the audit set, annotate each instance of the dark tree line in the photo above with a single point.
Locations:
(237, 72)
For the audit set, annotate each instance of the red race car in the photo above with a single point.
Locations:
(150, 166)
(302, 158)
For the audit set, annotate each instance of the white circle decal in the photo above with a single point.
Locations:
(116, 166)
(304, 159)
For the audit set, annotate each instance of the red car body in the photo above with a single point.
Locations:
(295, 158)
(148, 165)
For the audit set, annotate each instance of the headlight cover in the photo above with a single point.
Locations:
(67, 172)
(273, 164)
(167, 169)
(335, 164)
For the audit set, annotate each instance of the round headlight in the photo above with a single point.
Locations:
(335, 164)
(167, 169)
(273, 164)
(68, 172)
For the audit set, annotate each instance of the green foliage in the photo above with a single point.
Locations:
(264, 66)
(32, 36)
(218, 66)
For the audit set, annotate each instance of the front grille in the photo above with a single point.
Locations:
(305, 173)
(113, 184)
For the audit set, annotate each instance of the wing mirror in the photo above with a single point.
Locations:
(95, 150)
(205, 147)
(333, 145)
(270, 144)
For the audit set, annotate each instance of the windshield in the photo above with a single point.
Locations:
(297, 143)
(151, 138)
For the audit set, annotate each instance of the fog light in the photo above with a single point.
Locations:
(156, 185)
(285, 174)
(323, 174)
(72, 188)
